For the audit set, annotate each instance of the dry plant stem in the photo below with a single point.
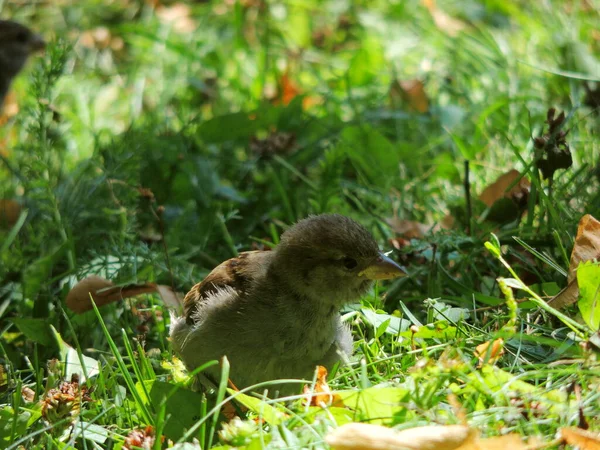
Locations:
(577, 328)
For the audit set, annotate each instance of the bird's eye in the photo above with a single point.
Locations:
(349, 263)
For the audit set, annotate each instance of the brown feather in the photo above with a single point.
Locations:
(236, 273)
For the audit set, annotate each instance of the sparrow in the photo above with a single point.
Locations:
(17, 42)
(275, 314)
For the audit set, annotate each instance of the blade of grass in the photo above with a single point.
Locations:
(123, 368)
(541, 256)
(222, 391)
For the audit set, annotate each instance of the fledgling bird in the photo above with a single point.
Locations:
(275, 314)
(17, 43)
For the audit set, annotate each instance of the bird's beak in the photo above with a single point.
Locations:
(383, 268)
(37, 43)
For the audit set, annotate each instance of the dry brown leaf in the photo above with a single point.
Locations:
(511, 441)
(27, 394)
(103, 291)
(409, 229)
(101, 38)
(362, 436)
(171, 299)
(519, 193)
(586, 248)
(487, 355)
(359, 436)
(585, 440)
(321, 395)
(288, 90)
(411, 92)
(9, 213)
(443, 21)
(179, 15)
(9, 108)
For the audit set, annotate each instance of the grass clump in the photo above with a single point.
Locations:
(155, 140)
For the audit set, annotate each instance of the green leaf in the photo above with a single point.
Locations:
(91, 431)
(443, 312)
(437, 330)
(182, 406)
(372, 153)
(39, 271)
(394, 324)
(228, 127)
(503, 385)
(377, 405)
(270, 414)
(7, 419)
(466, 150)
(36, 330)
(366, 63)
(588, 279)
(75, 363)
(298, 26)
(339, 414)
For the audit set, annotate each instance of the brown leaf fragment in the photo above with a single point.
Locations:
(27, 394)
(321, 395)
(567, 296)
(179, 16)
(586, 248)
(508, 441)
(499, 189)
(409, 92)
(488, 355)
(9, 213)
(585, 440)
(361, 436)
(171, 299)
(103, 291)
(141, 438)
(409, 229)
(443, 21)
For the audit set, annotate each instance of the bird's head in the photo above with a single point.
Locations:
(333, 258)
(17, 42)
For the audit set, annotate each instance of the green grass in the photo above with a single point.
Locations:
(188, 116)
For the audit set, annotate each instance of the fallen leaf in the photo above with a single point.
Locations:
(585, 440)
(27, 394)
(519, 193)
(410, 92)
(409, 229)
(288, 89)
(443, 21)
(103, 291)
(9, 108)
(487, 355)
(171, 299)
(512, 441)
(586, 248)
(9, 213)
(321, 395)
(179, 15)
(362, 436)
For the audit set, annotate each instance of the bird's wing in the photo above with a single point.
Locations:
(236, 273)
